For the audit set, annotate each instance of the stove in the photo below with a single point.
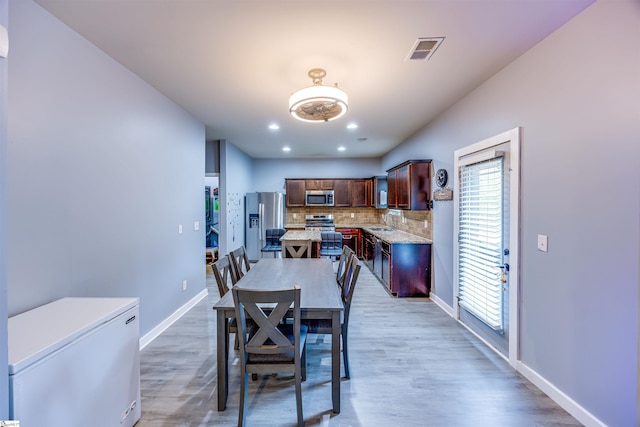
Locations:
(319, 223)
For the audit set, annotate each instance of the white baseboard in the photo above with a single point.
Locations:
(446, 308)
(160, 328)
(568, 404)
(564, 401)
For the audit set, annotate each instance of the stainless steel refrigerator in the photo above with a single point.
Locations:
(263, 210)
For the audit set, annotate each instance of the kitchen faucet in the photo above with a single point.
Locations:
(393, 219)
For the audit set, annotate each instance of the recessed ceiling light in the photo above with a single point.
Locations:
(286, 149)
(274, 126)
(352, 126)
(341, 148)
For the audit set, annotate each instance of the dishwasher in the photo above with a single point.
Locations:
(385, 265)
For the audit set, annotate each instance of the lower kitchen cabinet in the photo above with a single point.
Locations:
(406, 268)
(351, 238)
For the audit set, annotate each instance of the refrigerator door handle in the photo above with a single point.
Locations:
(261, 221)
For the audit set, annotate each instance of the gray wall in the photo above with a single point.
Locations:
(4, 382)
(577, 97)
(235, 181)
(269, 174)
(101, 170)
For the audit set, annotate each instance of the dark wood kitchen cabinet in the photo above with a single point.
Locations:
(351, 238)
(367, 243)
(295, 189)
(342, 193)
(409, 185)
(319, 184)
(360, 193)
(406, 268)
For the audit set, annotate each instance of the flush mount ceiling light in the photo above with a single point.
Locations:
(318, 103)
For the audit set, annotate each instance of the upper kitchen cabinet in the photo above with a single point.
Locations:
(360, 193)
(379, 192)
(409, 185)
(295, 192)
(319, 184)
(342, 193)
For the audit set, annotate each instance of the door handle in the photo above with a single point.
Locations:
(504, 269)
(261, 222)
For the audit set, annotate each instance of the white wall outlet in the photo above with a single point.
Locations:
(179, 228)
(184, 285)
(426, 224)
(542, 243)
(353, 215)
(295, 215)
(196, 226)
(404, 220)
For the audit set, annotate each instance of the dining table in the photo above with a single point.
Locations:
(319, 299)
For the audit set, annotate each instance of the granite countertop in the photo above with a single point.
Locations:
(312, 235)
(393, 236)
(379, 230)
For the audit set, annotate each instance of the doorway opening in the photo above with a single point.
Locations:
(212, 217)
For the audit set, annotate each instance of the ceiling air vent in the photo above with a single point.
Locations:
(424, 48)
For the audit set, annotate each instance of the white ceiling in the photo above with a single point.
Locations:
(234, 63)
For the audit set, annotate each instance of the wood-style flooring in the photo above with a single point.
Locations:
(411, 365)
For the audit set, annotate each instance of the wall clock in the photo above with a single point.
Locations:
(441, 178)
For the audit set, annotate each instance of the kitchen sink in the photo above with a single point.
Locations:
(380, 229)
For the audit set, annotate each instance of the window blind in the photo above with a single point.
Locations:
(480, 240)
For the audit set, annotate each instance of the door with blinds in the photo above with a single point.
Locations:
(486, 249)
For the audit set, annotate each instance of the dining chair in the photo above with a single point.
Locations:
(224, 278)
(223, 273)
(272, 240)
(296, 248)
(330, 244)
(342, 265)
(322, 326)
(239, 262)
(274, 346)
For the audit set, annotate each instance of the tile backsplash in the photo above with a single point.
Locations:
(414, 221)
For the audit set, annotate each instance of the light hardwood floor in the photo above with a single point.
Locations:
(411, 365)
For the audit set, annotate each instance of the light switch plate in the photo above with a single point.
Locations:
(179, 228)
(542, 242)
(4, 42)
(196, 226)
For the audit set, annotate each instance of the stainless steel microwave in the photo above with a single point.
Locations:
(319, 198)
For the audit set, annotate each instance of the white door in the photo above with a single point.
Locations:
(486, 185)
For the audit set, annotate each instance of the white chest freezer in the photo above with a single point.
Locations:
(75, 362)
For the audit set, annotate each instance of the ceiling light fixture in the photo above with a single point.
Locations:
(318, 103)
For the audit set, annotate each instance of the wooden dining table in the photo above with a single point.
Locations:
(319, 299)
